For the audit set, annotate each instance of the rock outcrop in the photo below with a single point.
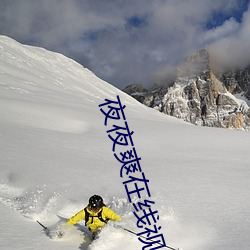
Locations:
(201, 97)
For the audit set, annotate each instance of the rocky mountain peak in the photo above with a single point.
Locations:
(200, 96)
(196, 64)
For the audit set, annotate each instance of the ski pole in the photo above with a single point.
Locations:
(45, 228)
(125, 229)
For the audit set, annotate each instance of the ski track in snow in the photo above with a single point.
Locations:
(36, 204)
(40, 204)
(31, 204)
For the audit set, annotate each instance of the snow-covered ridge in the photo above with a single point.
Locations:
(33, 74)
(34, 66)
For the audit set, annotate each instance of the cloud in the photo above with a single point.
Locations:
(228, 28)
(233, 49)
(125, 42)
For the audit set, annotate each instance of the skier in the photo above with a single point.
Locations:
(95, 214)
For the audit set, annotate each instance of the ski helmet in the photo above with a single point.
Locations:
(95, 202)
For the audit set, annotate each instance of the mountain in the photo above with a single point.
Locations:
(202, 97)
(55, 153)
(237, 81)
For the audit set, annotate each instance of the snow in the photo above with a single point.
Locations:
(242, 99)
(55, 153)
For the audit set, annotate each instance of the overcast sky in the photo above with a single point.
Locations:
(131, 41)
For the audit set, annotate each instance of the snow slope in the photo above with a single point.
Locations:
(55, 153)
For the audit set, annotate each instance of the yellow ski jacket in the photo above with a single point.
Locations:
(94, 223)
